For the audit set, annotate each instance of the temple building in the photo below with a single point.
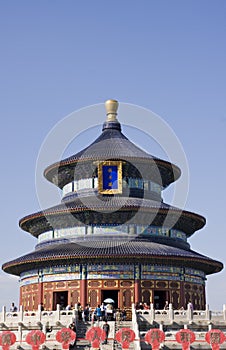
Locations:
(112, 235)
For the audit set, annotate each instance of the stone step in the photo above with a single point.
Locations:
(82, 328)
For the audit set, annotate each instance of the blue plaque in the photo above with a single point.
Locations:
(110, 177)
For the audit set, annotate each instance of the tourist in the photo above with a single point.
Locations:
(79, 312)
(106, 329)
(118, 315)
(103, 311)
(72, 326)
(166, 307)
(93, 316)
(98, 313)
(90, 312)
(109, 311)
(190, 305)
(85, 314)
(141, 306)
(146, 306)
(123, 315)
(13, 308)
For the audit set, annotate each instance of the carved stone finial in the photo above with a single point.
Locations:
(111, 109)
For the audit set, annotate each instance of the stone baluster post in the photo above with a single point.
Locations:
(21, 313)
(45, 327)
(189, 313)
(20, 332)
(208, 312)
(152, 312)
(224, 312)
(75, 312)
(39, 313)
(58, 312)
(171, 313)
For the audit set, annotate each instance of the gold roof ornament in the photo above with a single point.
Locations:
(111, 110)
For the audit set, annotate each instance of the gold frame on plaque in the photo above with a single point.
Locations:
(119, 177)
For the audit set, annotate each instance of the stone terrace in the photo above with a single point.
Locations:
(170, 321)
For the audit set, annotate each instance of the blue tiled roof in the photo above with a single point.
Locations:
(119, 208)
(111, 144)
(134, 250)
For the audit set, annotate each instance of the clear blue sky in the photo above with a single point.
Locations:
(167, 56)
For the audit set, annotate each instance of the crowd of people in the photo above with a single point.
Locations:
(103, 312)
(145, 306)
(87, 314)
(142, 306)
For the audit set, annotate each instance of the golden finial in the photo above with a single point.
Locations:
(111, 109)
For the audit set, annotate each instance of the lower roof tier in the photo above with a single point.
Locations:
(112, 210)
(139, 251)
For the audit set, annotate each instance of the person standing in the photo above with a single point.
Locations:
(72, 326)
(109, 311)
(89, 312)
(106, 329)
(98, 313)
(166, 307)
(103, 311)
(118, 315)
(190, 306)
(80, 312)
(123, 315)
(85, 314)
(13, 308)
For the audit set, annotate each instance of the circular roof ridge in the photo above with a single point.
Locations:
(95, 250)
(117, 204)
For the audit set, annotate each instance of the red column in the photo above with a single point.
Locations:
(83, 293)
(83, 286)
(40, 293)
(40, 289)
(137, 287)
(137, 292)
(182, 293)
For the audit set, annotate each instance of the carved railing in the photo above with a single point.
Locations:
(183, 316)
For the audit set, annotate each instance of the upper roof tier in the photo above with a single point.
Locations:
(111, 145)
